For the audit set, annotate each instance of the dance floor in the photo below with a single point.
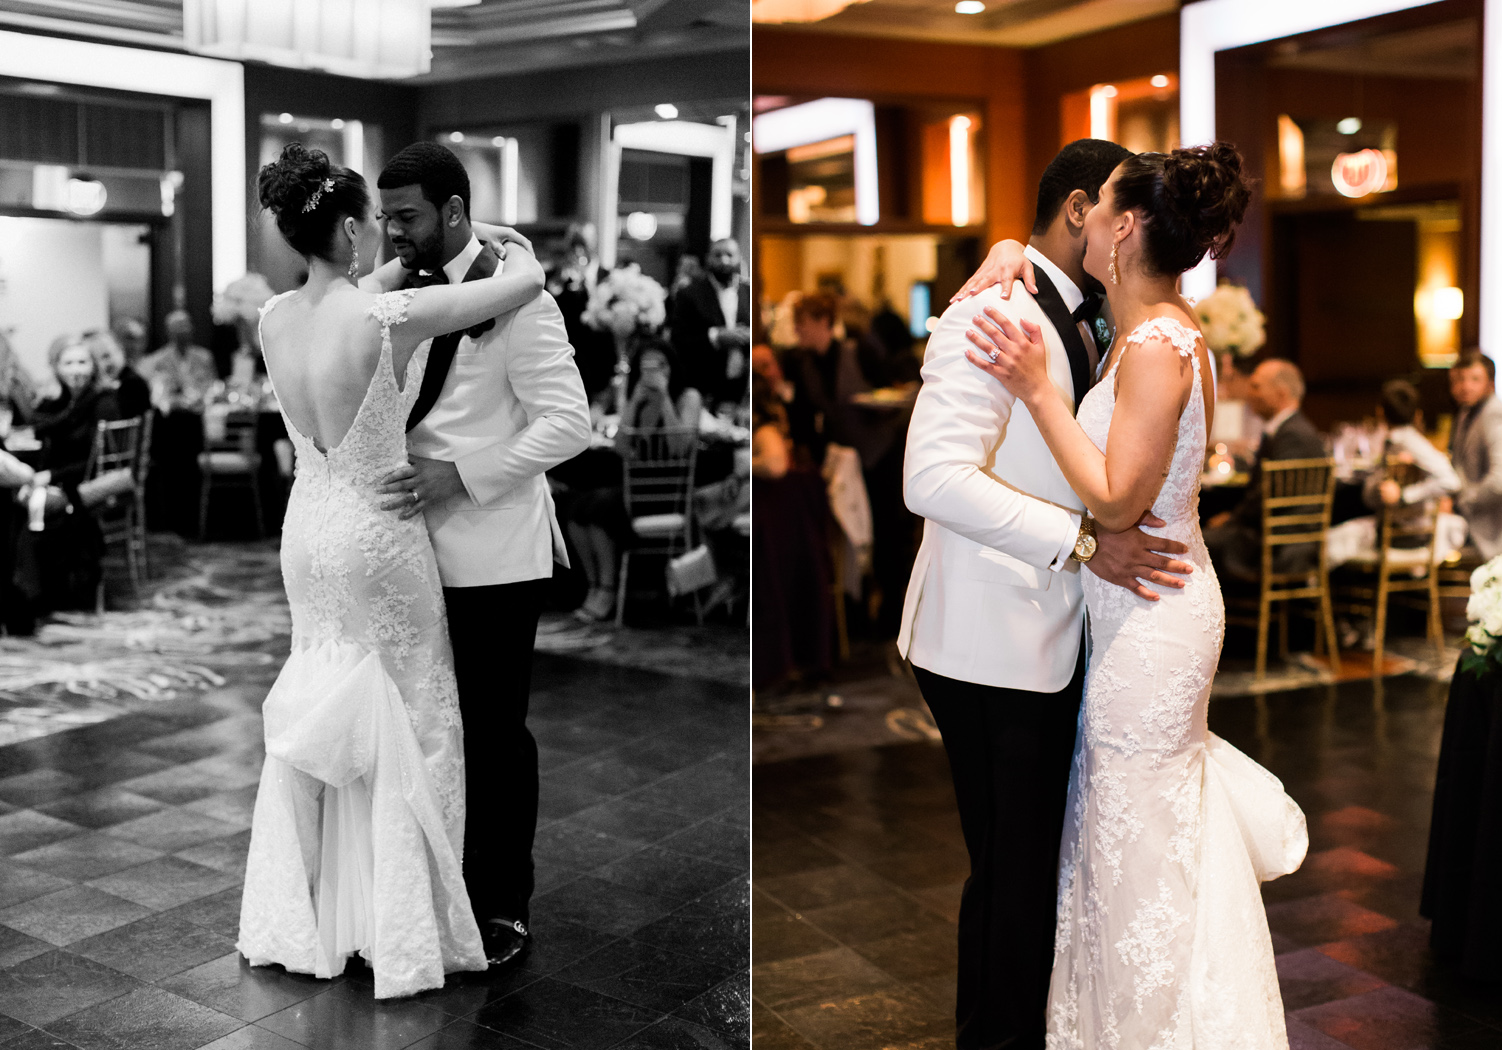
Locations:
(126, 794)
(858, 863)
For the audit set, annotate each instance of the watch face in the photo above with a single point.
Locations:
(1087, 547)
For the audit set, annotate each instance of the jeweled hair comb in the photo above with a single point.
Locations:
(325, 186)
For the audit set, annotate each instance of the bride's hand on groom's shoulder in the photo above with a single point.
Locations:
(1011, 352)
(1004, 264)
(503, 238)
(1130, 557)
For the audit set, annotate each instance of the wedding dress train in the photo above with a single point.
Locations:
(358, 832)
(1162, 940)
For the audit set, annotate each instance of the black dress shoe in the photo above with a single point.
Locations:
(504, 940)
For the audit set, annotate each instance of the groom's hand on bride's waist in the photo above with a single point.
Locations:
(1128, 558)
(421, 484)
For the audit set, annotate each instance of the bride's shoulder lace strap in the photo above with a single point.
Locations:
(269, 303)
(1183, 338)
(390, 308)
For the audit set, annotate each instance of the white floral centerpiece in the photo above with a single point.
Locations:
(1484, 610)
(1231, 321)
(626, 303)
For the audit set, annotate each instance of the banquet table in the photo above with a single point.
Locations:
(1462, 894)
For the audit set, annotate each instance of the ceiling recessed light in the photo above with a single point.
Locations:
(667, 111)
(1349, 126)
(498, 141)
(337, 124)
(1160, 81)
(456, 136)
(1109, 91)
(285, 118)
(969, 7)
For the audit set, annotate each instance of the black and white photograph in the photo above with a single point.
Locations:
(375, 568)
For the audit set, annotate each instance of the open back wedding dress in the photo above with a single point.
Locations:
(1162, 940)
(358, 832)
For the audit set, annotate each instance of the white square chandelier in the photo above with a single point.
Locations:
(356, 38)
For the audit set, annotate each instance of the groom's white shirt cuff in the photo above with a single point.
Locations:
(1061, 559)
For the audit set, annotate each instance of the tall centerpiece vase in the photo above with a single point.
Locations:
(622, 373)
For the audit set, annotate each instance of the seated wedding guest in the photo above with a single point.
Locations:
(711, 326)
(1234, 537)
(131, 334)
(70, 545)
(119, 382)
(1358, 537)
(1476, 448)
(181, 373)
(598, 524)
(18, 393)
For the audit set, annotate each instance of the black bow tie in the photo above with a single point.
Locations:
(425, 279)
(1088, 310)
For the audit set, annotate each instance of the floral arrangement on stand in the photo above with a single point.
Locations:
(1231, 321)
(626, 304)
(1483, 637)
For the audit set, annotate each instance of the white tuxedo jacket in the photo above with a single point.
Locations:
(512, 407)
(994, 597)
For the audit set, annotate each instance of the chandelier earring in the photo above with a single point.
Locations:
(1115, 273)
(354, 260)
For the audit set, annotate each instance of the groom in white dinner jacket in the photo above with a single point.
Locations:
(994, 615)
(500, 404)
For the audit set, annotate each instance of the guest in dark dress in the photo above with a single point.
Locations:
(70, 545)
(792, 607)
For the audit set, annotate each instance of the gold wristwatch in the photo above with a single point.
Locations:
(1085, 544)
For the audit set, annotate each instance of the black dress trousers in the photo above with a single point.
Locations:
(493, 630)
(1009, 754)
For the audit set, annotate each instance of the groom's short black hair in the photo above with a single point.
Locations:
(1084, 164)
(435, 168)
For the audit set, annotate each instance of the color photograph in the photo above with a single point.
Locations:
(1124, 492)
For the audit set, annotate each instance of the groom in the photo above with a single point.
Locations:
(994, 612)
(499, 404)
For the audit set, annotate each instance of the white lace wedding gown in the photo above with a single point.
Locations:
(1162, 940)
(358, 832)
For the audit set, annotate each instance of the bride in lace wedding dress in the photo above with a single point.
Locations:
(358, 834)
(1162, 940)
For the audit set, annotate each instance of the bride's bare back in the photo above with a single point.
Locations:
(321, 356)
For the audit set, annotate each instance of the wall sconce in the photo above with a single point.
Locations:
(959, 170)
(1439, 304)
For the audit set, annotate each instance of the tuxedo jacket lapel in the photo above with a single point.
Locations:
(441, 354)
(1052, 304)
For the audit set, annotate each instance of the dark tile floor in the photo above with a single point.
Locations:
(122, 846)
(858, 863)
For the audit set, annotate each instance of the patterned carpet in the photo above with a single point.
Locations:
(218, 609)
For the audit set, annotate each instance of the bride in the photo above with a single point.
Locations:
(1161, 941)
(358, 834)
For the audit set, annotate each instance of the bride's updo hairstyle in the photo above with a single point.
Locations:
(1189, 202)
(310, 197)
